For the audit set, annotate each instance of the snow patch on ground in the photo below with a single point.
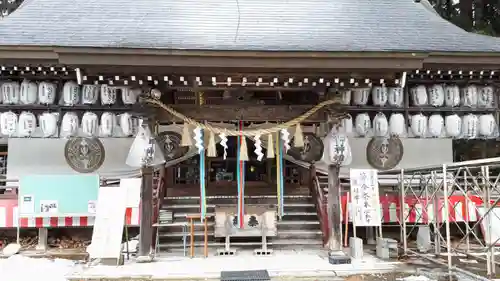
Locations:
(18, 267)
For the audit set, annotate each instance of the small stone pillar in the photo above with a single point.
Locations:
(386, 247)
(356, 246)
(43, 234)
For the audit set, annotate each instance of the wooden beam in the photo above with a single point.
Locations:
(334, 214)
(254, 113)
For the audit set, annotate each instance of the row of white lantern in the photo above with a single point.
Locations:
(452, 96)
(107, 125)
(435, 95)
(30, 92)
(469, 126)
(380, 95)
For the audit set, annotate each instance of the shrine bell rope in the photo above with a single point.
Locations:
(247, 133)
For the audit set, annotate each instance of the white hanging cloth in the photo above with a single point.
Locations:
(138, 150)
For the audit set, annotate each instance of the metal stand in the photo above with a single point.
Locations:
(227, 251)
(264, 251)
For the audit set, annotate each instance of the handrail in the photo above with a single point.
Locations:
(321, 207)
(157, 202)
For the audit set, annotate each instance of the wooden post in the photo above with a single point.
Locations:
(191, 226)
(334, 215)
(146, 221)
(205, 233)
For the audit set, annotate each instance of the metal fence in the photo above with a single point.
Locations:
(462, 196)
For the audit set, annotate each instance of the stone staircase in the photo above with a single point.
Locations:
(298, 227)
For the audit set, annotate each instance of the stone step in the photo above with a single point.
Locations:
(299, 234)
(272, 242)
(171, 201)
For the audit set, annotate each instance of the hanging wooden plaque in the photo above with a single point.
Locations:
(384, 153)
(84, 155)
(170, 144)
(312, 150)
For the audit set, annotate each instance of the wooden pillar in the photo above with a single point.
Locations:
(146, 220)
(334, 215)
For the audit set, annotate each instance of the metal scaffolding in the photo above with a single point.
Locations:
(458, 203)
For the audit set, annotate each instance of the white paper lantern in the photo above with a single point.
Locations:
(485, 97)
(453, 126)
(90, 124)
(361, 95)
(436, 95)
(71, 93)
(346, 125)
(470, 124)
(46, 93)
(108, 123)
(130, 95)
(10, 92)
(126, 124)
(28, 92)
(90, 94)
(418, 125)
(69, 124)
(487, 125)
(380, 125)
(26, 124)
(48, 124)
(395, 96)
(452, 95)
(8, 121)
(363, 124)
(379, 95)
(397, 125)
(469, 96)
(436, 125)
(337, 149)
(345, 97)
(419, 95)
(108, 95)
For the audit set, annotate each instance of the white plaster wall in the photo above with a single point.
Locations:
(46, 156)
(417, 153)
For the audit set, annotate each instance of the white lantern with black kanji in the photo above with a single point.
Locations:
(26, 124)
(418, 124)
(108, 95)
(419, 95)
(10, 92)
(452, 95)
(108, 123)
(90, 94)
(362, 124)
(126, 124)
(436, 125)
(69, 124)
(360, 96)
(380, 125)
(395, 96)
(379, 95)
(48, 124)
(397, 125)
(46, 93)
(8, 122)
(487, 126)
(90, 124)
(28, 92)
(453, 126)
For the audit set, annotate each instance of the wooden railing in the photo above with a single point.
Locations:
(320, 202)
